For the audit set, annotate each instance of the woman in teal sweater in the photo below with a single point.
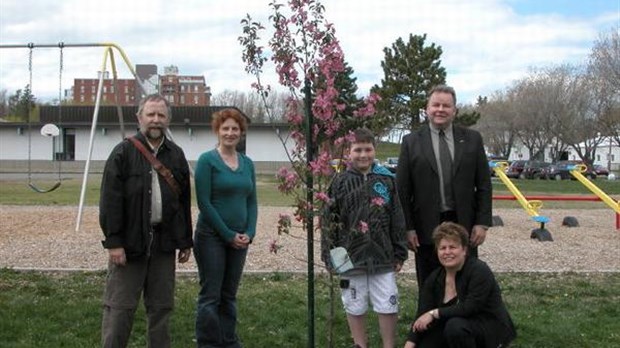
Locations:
(226, 194)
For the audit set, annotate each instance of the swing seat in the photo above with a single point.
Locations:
(39, 190)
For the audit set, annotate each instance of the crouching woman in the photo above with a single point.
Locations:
(460, 303)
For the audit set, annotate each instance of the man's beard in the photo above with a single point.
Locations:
(154, 133)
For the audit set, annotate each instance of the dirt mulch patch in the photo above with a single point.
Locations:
(45, 237)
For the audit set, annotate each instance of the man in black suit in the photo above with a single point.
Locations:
(433, 188)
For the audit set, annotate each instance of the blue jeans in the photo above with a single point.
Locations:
(219, 268)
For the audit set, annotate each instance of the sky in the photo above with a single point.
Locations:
(487, 44)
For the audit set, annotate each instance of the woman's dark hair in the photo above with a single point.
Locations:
(452, 231)
(221, 116)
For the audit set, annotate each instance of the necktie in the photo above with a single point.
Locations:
(446, 169)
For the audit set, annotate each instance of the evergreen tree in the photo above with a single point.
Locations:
(347, 85)
(410, 70)
(4, 104)
(14, 103)
(21, 103)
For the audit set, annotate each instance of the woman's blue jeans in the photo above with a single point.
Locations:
(219, 267)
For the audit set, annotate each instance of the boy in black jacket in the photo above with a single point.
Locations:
(363, 219)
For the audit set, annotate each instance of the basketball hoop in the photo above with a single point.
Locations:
(50, 130)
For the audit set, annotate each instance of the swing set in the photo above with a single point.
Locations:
(51, 130)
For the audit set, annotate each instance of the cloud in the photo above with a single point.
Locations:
(487, 44)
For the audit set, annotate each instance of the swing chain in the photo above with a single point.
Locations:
(31, 105)
(31, 46)
(58, 142)
(61, 45)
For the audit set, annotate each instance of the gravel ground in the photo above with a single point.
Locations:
(44, 237)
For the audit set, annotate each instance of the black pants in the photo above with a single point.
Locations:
(454, 333)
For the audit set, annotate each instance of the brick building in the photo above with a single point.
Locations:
(183, 89)
(180, 90)
(85, 91)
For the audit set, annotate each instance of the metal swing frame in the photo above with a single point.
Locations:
(108, 52)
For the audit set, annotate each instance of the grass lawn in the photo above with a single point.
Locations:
(18, 192)
(64, 310)
(385, 150)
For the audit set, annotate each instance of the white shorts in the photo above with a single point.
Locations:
(381, 289)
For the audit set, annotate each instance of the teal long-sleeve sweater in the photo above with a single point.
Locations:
(226, 197)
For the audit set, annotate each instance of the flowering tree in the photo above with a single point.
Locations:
(308, 60)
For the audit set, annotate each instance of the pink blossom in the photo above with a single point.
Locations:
(274, 246)
(321, 165)
(363, 227)
(373, 98)
(350, 137)
(332, 127)
(378, 201)
(289, 180)
(294, 117)
(321, 196)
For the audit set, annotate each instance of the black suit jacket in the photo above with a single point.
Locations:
(418, 182)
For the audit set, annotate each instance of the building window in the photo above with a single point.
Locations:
(182, 100)
(92, 89)
(82, 89)
(598, 158)
(168, 89)
(82, 98)
(126, 89)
